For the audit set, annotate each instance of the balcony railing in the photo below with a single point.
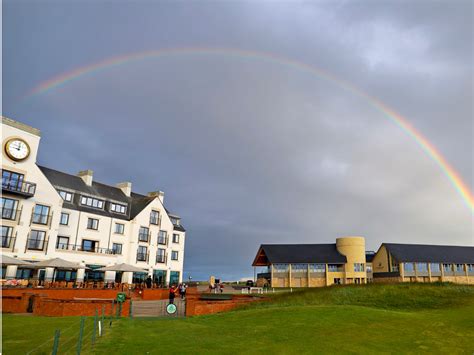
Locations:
(144, 237)
(36, 244)
(162, 240)
(161, 259)
(142, 257)
(24, 188)
(74, 247)
(8, 242)
(39, 218)
(10, 213)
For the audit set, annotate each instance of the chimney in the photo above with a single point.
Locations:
(126, 188)
(86, 176)
(159, 194)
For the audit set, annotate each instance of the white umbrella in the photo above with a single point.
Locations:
(59, 263)
(121, 267)
(7, 260)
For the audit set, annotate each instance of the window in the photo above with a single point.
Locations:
(161, 256)
(142, 253)
(435, 267)
(470, 268)
(162, 238)
(92, 223)
(36, 240)
(359, 267)
(459, 268)
(41, 214)
(175, 221)
(64, 219)
(174, 277)
(154, 217)
(66, 196)
(6, 236)
(337, 281)
(92, 202)
(23, 274)
(9, 208)
(299, 267)
(447, 267)
(93, 274)
(280, 267)
(117, 248)
(115, 207)
(143, 234)
(422, 267)
(159, 277)
(175, 238)
(408, 267)
(119, 228)
(63, 243)
(11, 180)
(335, 268)
(63, 275)
(89, 245)
(368, 268)
(174, 255)
(317, 267)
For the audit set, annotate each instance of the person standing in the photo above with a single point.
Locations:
(148, 282)
(172, 293)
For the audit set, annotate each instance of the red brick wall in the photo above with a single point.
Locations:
(15, 304)
(61, 307)
(196, 307)
(154, 294)
(59, 293)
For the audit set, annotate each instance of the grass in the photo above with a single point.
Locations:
(405, 318)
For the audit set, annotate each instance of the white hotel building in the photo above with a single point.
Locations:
(48, 213)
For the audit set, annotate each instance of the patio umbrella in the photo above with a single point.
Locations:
(122, 267)
(7, 260)
(59, 263)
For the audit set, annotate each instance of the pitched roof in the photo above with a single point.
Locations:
(431, 253)
(301, 253)
(136, 202)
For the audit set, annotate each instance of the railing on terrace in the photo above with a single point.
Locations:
(161, 259)
(24, 188)
(142, 257)
(39, 218)
(8, 242)
(162, 240)
(36, 244)
(74, 247)
(144, 237)
(10, 214)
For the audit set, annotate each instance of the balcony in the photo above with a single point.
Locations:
(14, 186)
(10, 214)
(144, 237)
(8, 242)
(81, 248)
(161, 259)
(162, 240)
(39, 218)
(142, 257)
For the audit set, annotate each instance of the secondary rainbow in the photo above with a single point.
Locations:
(399, 120)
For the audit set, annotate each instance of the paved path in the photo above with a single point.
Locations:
(157, 308)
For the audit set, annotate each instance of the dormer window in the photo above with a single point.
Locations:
(175, 221)
(66, 196)
(115, 207)
(92, 202)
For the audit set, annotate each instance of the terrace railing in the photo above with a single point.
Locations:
(81, 248)
(19, 187)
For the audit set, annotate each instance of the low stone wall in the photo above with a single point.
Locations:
(197, 307)
(62, 293)
(15, 303)
(62, 307)
(154, 294)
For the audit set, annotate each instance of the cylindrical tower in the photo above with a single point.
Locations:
(353, 248)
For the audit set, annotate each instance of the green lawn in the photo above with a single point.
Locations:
(408, 318)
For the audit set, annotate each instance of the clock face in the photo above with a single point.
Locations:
(17, 149)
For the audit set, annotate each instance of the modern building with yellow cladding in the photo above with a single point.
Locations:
(313, 265)
(347, 262)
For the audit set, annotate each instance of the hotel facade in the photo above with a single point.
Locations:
(51, 214)
(347, 262)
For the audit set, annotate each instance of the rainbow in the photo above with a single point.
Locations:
(396, 118)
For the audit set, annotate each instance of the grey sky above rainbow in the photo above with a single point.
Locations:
(298, 115)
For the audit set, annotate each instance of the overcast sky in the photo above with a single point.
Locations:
(248, 150)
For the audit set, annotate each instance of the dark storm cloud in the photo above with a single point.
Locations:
(249, 151)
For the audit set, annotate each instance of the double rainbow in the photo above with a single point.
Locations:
(396, 118)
